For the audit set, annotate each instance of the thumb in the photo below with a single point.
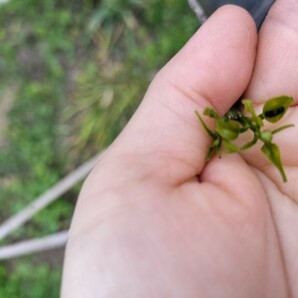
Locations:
(213, 69)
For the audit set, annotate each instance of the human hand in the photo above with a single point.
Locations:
(155, 220)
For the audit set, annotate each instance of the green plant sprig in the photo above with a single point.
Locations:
(236, 122)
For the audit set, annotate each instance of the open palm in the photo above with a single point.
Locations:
(154, 220)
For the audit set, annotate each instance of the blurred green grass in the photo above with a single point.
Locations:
(78, 70)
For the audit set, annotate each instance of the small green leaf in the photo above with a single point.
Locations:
(210, 133)
(249, 144)
(210, 153)
(282, 128)
(215, 145)
(271, 151)
(266, 136)
(228, 129)
(230, 147)
(276, 107)
(248, 107)
(211, 113)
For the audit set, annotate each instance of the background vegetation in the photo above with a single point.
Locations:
(73, 72)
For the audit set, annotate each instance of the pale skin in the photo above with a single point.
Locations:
(155, 220)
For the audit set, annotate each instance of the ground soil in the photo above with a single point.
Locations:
(6, 102)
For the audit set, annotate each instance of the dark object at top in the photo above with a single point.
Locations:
(257, 8)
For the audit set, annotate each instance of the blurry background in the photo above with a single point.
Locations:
(71, 75)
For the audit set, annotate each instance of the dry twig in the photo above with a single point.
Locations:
(31, 246)
(48, 197)
(198, 10)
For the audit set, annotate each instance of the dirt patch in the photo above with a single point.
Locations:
(6, 103)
